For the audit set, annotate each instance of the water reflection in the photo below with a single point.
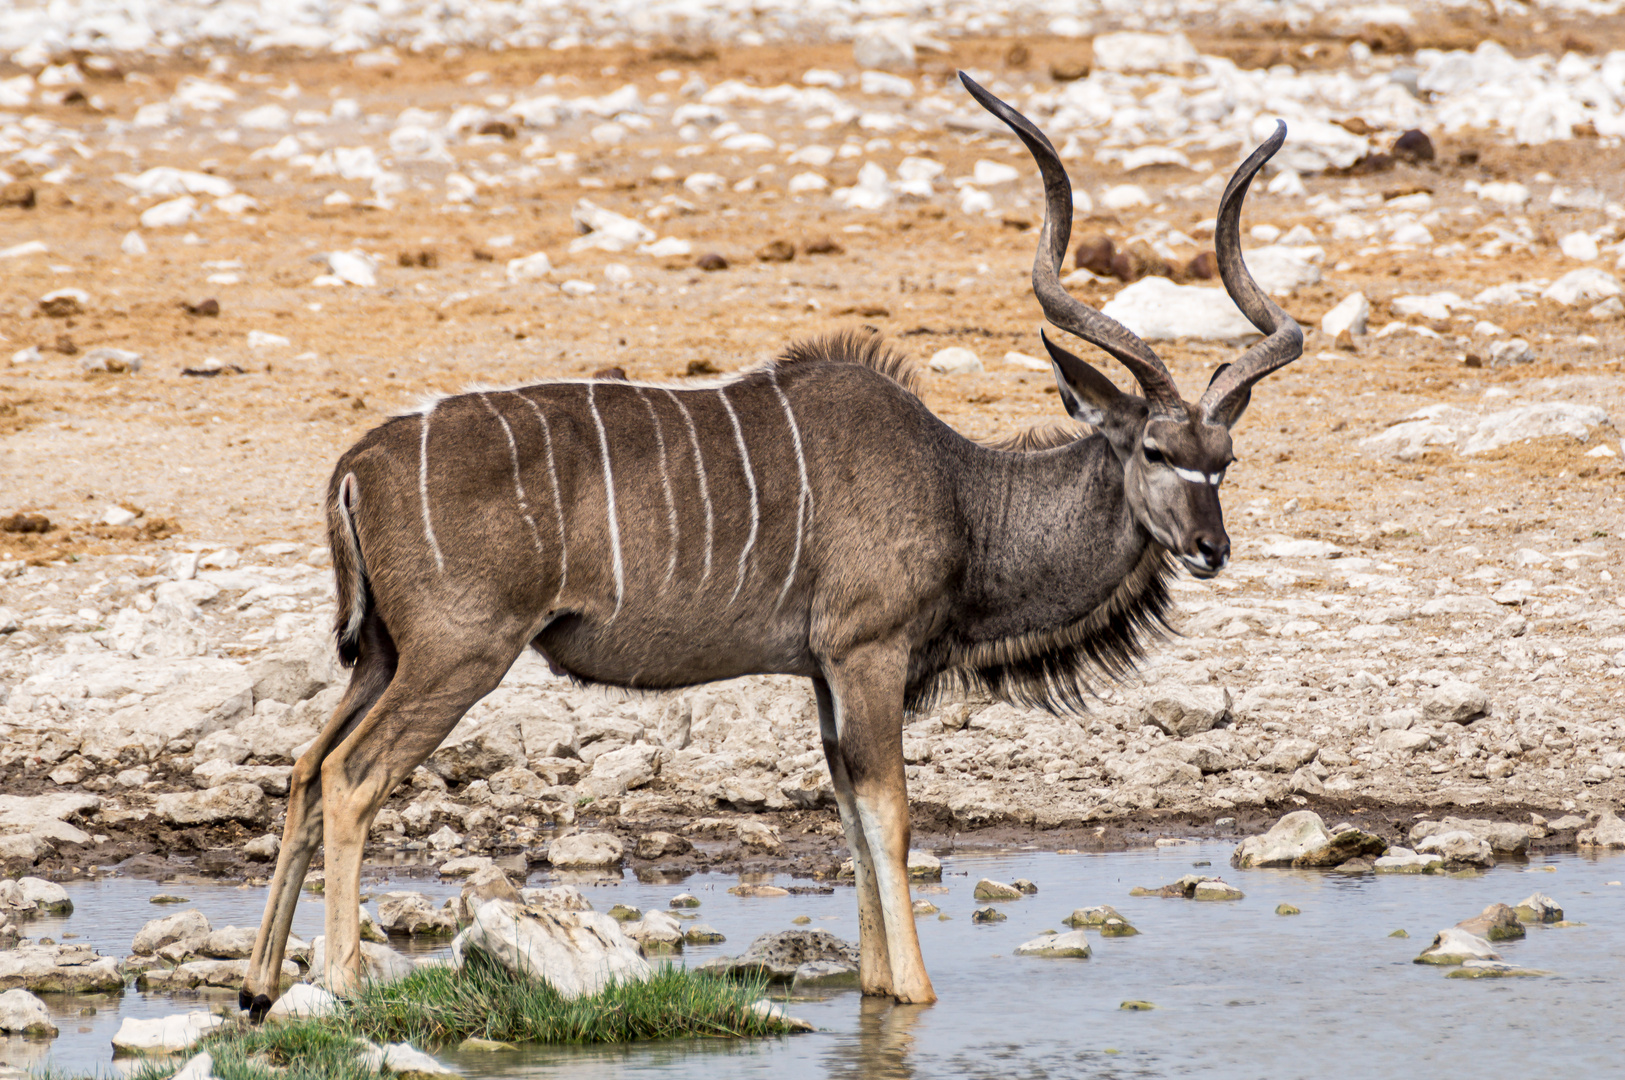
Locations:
(884, 1044)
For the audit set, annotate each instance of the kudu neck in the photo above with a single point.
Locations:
(1051, 536)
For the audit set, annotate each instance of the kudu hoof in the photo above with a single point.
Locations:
(256, 1005)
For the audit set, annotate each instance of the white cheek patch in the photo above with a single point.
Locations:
(1191, 476)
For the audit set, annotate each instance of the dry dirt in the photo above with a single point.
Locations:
(239, 459)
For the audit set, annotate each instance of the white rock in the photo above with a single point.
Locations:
(1186, 710)
(1301, 549)
(886, 45)
(704, 183)
(1508, 194)
(667, 247)
(619, 771)
(577, 287)
(198, 1067)
(302, 1000)
(1158, 310)
(21, 1013)
(1124, 197)
(1140, 52)
(1351, 314)
(871, 192)
(402, 1059)
(117, 515)
(165, 180)
(259, 339)
(575, 952)
(987, 173)
(805, 182)
(233, 801)
(586, 851)
(166, 1035)
(379, 963)
(1454, 945)
(1512, 351)
(1282, 268)
(170, 214)
(354, 267)
(1588, 284)
(1073, 943)
(1579, 245)
(605, 230)
(190, 928)
(955, 360)
(1299, 833)
(132, 244)
(1458, 847)
(1025, 362)
(1533, 422)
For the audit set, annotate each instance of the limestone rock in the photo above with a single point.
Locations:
(1073, 943)
(1216, 890)
(47, 816)
(379, 963)
(1455, 702)
(1454, 945)
(574, 952)
(824, 975)
(414, 915)
(1607, 832)
(1297, 835)
(1492, 969)
(1347, 844)
(759, 834)
(403, 1060)
(988, 889)
(1156, 309)
(1186, 710)
(556, 898)
(59, 969)
(490, 883)
(1538, 908)
(924, 866)
(1400, 860)
(21, 1013)
(657, 931)
(619, 771)
(229, 943)
(264, 848)
(702, 934)
(46, 896)
(1103, 918)
(224, 974)
(778, 956)
(1502, 836)
(1349, 316)
(164, 1035)
(1459, 847)
(188, 927)
(585, 851)
(1193, 887)
(1495, 923)
(658, 845)
(228, 802)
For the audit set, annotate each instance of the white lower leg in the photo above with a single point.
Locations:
(885, 829)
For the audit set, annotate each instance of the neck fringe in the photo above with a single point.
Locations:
(1057, 670)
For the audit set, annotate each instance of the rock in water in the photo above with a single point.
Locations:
(165, 1035)
(1455, 945)
(490, 883)
(187, 927)
(1298, 834)
(1495, 923)
(778, 956)
(1607, 832)
(1073, 943)
(1538, 908)
(585, 851)
(1458, 848)
(574, 952)
(59, 969)
(403, 1060)
(988, 889)
(21, 1013)
(825, 975)
(47, 896)
(415, 915)
(1405, 861)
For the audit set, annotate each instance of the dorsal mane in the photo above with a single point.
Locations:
(853, 347)
(1045, 436)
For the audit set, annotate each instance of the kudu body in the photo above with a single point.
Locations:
(810, 517)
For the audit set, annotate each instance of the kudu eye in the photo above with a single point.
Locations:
(1153, 456)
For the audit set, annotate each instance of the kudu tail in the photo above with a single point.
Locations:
(349, 568)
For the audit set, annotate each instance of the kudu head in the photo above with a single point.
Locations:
(1173, 453)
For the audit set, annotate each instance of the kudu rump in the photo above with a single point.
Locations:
(808, 517)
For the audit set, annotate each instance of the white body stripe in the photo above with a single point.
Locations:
(609, 499)
(423, 489)
(705, 487)
(665, 481)
(518, 483)
(558, 501)
(804, 502)
(750, 482)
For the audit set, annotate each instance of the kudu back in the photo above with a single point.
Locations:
(808, 517)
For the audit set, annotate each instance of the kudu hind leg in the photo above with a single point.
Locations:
(302, 829)
(429, 695)
(868, 691)
(874, 961)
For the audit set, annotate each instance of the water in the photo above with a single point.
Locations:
(1240, 991)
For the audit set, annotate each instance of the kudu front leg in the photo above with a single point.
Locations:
(874, 962)
(867, 690)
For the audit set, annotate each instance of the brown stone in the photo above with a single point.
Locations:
(821, 245)
(776, 251)
(1413, 146)
(711, 262)
(1094, 254)
(1071, 68)
(1498, 922)
(18, 193)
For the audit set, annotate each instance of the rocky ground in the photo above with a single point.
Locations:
(222, 265)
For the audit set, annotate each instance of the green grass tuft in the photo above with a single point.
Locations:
(438, 1007)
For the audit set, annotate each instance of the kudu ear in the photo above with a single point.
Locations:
(1085, 392)
(1230, 410)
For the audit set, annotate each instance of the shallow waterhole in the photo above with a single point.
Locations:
(1240, 991)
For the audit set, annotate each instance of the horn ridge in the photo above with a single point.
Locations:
(1283, 342)
(1061, 307)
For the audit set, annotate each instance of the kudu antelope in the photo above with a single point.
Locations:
(808, 517)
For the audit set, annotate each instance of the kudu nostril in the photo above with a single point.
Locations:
(1213, 553)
